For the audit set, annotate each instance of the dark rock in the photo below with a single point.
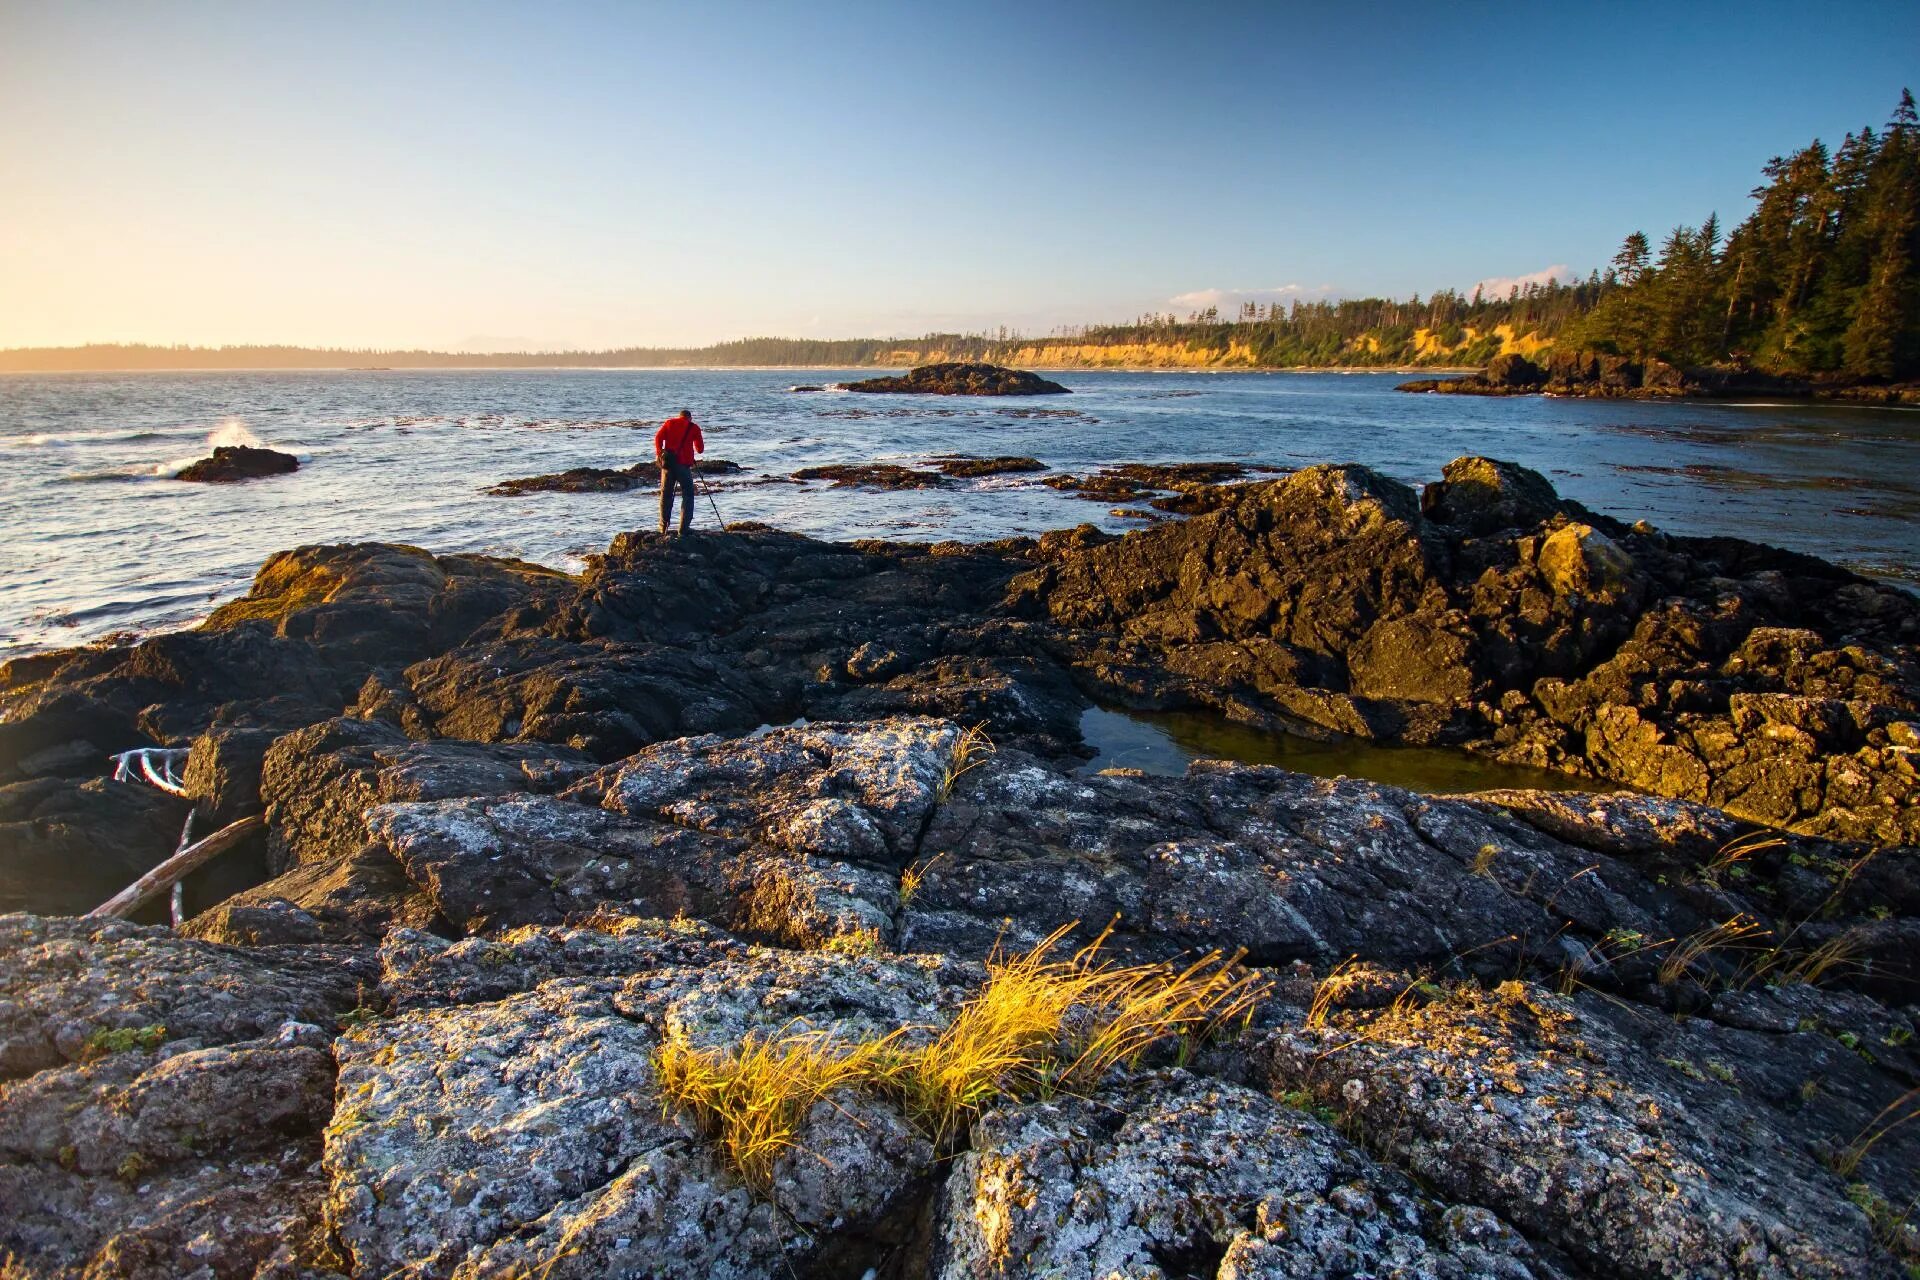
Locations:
(68, 846)
(873, 475)
(961, 379)
(235, 462)
(317, 784)
(969, 468)
(1514, 371)
(582, 480)
(806, 387)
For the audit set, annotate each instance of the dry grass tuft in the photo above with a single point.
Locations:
(1901, 1110)
(916, 875)
(974, 749)
(1696, 947)
(1736, 851)
(1037, 1025)
(751, 1099)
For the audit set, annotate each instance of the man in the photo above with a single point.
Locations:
(675, 445)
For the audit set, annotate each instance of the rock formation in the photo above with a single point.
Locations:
(235, 462)
(1605, 376)
(528, 834)
(961, 379)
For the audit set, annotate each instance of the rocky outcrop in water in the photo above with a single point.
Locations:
(1470, 1063)
(640, 475)
(231, 463)
(961, 379)
(1605, 376)
(1491, 613)
(873, 475)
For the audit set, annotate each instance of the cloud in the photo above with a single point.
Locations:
(1231, 300)
(1501, 286)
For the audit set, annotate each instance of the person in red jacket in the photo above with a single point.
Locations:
(675, 445)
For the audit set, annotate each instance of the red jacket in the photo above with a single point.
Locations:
(680, 437)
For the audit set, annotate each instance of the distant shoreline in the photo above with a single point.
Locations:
(731, 368)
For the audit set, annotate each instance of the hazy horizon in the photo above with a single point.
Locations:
(585, 178)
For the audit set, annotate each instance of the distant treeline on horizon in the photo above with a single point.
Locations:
(1822, 278)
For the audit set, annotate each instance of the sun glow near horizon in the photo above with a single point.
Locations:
(587, 178)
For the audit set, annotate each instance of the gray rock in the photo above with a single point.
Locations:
(1168, 1175)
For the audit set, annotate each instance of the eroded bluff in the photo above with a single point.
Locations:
(1507, 1034)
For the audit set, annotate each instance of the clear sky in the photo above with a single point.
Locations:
(482, 176)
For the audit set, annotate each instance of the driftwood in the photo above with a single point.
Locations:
(178, 867)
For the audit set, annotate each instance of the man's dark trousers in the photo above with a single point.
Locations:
(673, 474)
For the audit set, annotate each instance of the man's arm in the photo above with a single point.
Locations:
(659, 442)
(699, 441)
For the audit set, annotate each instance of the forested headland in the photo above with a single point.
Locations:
(1821, 281)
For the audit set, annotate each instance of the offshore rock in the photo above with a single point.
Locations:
(231, 463)
(962, 379)
(873, 475)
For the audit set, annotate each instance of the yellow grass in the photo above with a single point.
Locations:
(1038, 1024)
(972, 751)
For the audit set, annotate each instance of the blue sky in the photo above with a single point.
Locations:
(479, 175)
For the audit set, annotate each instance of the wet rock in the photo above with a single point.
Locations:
(970, 468)
(235, 462)
(604, 699)
(873, 475)
(1171, 1175)
(962, 379)
(1501, 616)
(581, 480)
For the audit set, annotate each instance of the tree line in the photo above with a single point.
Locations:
(1821, 278)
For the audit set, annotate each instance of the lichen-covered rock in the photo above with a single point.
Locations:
(1281, 864)
(161, 1101)
(526, 1134)
(859, 791)
(1168, 1175)
(1640, 1146)
(73, 987)
(319, 783)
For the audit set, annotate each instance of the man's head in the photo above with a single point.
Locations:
(684, 413)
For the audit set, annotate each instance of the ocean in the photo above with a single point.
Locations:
(99, 540)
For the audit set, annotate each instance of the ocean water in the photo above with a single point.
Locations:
(98, 540)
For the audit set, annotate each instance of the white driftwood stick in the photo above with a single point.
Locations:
(178, 867)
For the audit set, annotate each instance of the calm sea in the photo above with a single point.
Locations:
(98, 540)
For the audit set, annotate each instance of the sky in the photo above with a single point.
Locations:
(536, 176)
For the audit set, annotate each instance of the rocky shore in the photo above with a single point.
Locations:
(533, 842)
(1604, 376)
